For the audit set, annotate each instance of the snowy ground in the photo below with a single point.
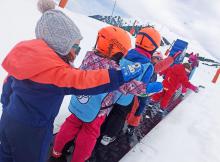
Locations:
(189, 134)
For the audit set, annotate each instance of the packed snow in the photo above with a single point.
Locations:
(190, 133)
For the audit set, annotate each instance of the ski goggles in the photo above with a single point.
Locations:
(76, 48)
(156, 57)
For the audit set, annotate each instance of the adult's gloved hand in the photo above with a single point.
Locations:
(131, 71)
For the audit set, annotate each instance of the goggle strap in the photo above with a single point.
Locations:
(146, 35)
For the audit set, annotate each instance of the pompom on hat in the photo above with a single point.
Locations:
(56, 28)
(44, 5)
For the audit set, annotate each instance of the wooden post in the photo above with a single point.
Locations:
(63, 3)
(216, 76)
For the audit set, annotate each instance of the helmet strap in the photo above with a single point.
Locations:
(96, 42)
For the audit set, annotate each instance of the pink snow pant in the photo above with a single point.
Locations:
(184, 89)
(86, 135)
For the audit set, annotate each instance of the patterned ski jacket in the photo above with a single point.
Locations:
(87, 107)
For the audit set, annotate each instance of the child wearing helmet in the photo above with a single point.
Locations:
(194, 61)
(147, 42)
(89, 112)
(139, 104)
(133, 118)
(175, 77)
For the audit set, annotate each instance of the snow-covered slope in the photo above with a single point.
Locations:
(190, 133)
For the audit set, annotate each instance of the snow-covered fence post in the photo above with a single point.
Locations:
(216, 76)
(63, 3)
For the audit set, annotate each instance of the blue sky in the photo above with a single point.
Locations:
(93, 7)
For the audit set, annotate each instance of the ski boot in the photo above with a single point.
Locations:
(62, 158)
(107, 140)
(132, 138)
(162, 113)
(130, 130)
(152, 110)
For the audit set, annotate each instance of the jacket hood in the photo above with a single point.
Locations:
(136, 56)
(30, 58)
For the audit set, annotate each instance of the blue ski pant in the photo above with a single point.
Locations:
(23, 143)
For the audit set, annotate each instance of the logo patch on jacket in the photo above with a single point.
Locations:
(83, 99)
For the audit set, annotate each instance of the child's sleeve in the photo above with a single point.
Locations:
(163, 64)
(138, 88)
(134, 87)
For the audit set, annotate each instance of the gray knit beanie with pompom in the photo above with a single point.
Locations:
(56, 28)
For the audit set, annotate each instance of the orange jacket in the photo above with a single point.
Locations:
(35, 61)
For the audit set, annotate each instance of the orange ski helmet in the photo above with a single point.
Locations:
(148, 39)
(112, 40)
